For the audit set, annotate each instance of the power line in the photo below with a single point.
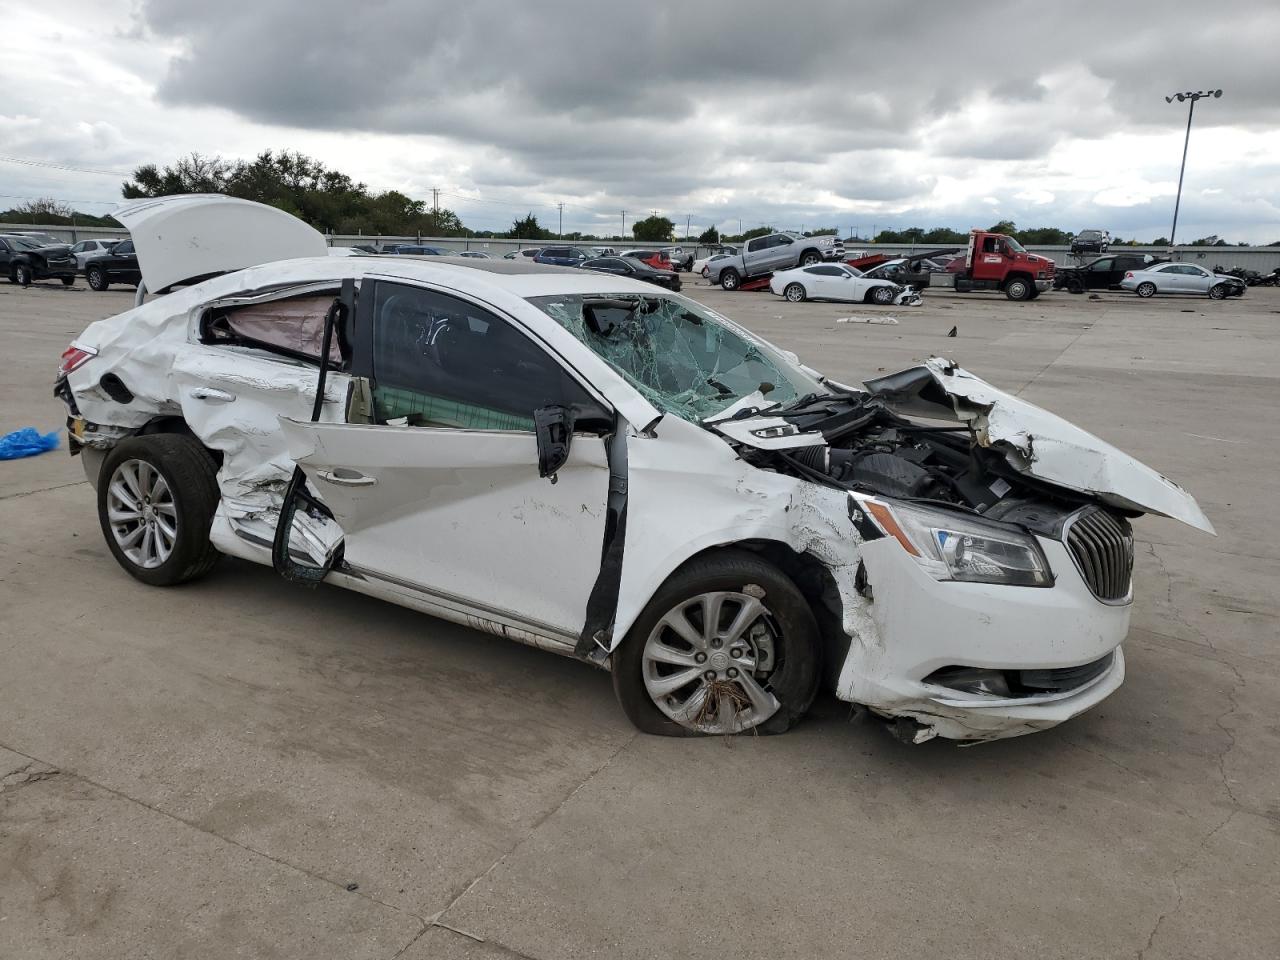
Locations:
(12, 196)
(63, 166)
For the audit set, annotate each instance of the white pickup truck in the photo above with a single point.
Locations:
(774, 251)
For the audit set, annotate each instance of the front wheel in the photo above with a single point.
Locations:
(22, 274)
(1218, 291)
(727, 644)
(729, 280)
(97, 279)
(156, 498)
(1017, 289)
(810, 258)
(794, 292)
(1146, 289)
(68, 281)
(882, 295)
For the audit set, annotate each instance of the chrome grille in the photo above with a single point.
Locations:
(1102, 545)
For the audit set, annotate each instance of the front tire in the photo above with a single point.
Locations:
(729, 279)
(795, 293)
(810, 257)
(1218, 291)
(68, 281)
(1018, 289)
(97, 279)
(22, 275)
(727, 644)
(1146, 289)
(882, 295)
(156, 498)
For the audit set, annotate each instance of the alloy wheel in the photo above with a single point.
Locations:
(142, 514)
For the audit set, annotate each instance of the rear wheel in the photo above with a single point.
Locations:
(156, 498)
(97, 278)
(1146, 289)
(730, 280)
(727, 644)
(1218, 291)
(1018, 289)
(794, 292)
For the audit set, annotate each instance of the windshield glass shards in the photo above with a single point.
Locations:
(681, 357)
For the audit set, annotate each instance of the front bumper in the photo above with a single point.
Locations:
(919, 625)
(55, 270)
(1044, 285)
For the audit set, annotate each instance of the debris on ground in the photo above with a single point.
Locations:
(892, 320)
(953, 331)
(27, 442)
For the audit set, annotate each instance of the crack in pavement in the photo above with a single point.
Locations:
(31, 772)
(32, 493)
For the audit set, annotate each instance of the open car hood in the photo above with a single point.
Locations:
(192, 236)
(1035, 442)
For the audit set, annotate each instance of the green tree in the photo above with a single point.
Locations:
(1160, 242)
(944, 235)
(653, 229)
(709, 235)
(1046, 236)
(1006, 227)
(755, 232)
(528, 229)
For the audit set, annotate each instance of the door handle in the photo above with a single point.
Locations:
(354, 480)
(213, 395)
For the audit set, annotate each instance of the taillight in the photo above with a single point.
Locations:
(75, 357)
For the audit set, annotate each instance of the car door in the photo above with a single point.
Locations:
(781, 253)
(825, 283)
(1198, 279)
(122, 263)
(440, 494)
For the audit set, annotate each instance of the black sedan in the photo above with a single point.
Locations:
(118, 266)
(636, 269)
(1104, 273)
(24, 260)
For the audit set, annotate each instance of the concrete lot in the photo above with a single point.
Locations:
(241, 767)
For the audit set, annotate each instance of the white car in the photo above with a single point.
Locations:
(1182, 278)
(613, 472)
(700, 265)
(837, 281)
(85, 249)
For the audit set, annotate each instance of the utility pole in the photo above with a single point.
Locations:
(624, 225)
(1191, 109)
(688, 219)
(560, 232)
(435, 209)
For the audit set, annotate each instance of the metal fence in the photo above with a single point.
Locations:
(1262, 259)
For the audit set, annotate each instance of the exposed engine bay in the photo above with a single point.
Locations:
(870, 448)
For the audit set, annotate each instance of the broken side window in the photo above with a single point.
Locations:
(293, 327)
(681, 357)
(439, 361)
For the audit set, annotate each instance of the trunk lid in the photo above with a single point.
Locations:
(183, 238)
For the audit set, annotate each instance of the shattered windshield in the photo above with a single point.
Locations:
(681, 357)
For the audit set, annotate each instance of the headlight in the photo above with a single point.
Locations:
(953, 547)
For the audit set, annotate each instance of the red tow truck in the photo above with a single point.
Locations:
(993, 261)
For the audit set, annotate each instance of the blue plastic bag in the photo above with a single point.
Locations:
(27, 442)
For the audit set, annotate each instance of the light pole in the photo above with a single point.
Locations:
(1192, 97)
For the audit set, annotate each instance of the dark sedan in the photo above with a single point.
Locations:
(636, 269)
(24, 260)
(1104, 273)
(118, 266)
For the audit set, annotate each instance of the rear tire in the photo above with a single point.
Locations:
(156, 498)
(795, 293)
(782, 642)
(729, 279)
(1146, 289)
(96, 278)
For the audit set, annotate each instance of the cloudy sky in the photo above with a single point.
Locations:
(795, 115)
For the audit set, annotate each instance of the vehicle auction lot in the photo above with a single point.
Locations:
(244, 767)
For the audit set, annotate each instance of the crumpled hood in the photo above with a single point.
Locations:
(181, 238)
(1033, 441)
(1036, 442)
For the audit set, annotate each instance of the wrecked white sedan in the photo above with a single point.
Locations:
(838, 281)
(616, 473)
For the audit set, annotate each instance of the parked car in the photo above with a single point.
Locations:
(527, 253)
(835, 281)
(24, 260)
(412, 250)
(475, 254)
(657, 259)
(1091, 241)
(364, 248)
(777, 251)
(118, 266)
(636, 270)
(1104, 273)
(566, 256)
(85, 249)
(681, 259)
(487, 464)
(1182, 278)
(700, 265)
(43, 239)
